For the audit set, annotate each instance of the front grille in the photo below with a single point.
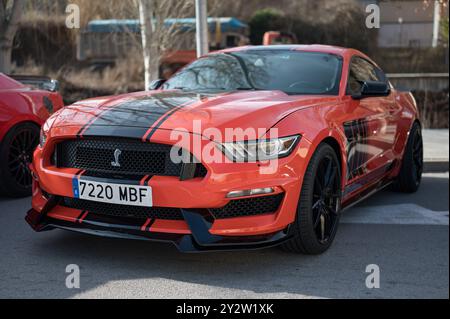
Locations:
(249, 207)
(136, 158)
(122, 210)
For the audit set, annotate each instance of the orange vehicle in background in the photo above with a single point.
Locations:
(277, 37)
(105, 41)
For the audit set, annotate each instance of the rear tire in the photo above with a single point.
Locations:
(318, 211)
(16, 153)
(410, 176)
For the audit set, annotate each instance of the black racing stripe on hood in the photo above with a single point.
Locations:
(161, 121)
(134, 118)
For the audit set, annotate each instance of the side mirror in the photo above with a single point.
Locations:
(156, 84)
(52, 86)
(372, 89)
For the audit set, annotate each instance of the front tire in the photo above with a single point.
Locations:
(16, 153)
(318, 210)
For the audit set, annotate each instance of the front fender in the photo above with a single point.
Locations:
(314, 127)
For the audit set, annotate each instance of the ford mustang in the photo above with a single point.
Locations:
(24, 107)
(244, 148)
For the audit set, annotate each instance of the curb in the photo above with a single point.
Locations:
(436, 166)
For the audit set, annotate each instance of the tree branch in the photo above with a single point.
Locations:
(11, 23)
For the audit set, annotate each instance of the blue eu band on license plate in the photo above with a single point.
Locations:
(122, 194)
(76, 193)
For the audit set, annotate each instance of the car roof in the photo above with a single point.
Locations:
(298, 47)
(330, 49)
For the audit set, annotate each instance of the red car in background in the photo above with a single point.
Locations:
(24, 107)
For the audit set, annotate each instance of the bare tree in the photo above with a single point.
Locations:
(149, 46)
(157, 36)
(10, 12)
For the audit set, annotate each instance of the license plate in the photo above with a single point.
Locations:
(133, 195)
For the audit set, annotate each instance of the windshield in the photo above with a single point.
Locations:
(292, 72)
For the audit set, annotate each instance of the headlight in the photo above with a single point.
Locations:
(42, 138)
(260, 150)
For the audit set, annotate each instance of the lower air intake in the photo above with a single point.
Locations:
(249, 207)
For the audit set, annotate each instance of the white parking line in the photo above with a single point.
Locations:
(402, 214)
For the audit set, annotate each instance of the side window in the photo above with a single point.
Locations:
(361, 71)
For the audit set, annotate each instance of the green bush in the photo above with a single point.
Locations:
(345, 28)
(342, 26)
(444, 31)
(264, 20)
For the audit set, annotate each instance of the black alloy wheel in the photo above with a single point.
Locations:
(16, 156)
(319, 206)
(326, 199)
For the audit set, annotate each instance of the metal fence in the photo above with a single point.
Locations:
(428, 82)
(431, 91)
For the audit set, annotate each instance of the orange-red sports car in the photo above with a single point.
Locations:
(244, 148)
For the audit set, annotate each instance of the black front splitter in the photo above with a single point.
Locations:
(200, 239)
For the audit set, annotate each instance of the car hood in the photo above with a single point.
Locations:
(132, 115)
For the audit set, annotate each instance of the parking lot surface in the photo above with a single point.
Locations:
(406, 236)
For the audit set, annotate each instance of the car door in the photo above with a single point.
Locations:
(368, 127)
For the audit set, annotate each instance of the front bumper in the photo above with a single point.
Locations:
(200, 239)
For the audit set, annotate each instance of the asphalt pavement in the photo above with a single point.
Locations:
(406, 236)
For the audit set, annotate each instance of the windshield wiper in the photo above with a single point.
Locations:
(216, 89)
(200, 89)
(247, 89)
